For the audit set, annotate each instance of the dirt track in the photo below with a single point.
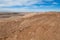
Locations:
(31, 27)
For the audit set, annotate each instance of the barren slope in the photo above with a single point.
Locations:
(31, 27)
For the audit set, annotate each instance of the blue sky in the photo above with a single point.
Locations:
(29, 5)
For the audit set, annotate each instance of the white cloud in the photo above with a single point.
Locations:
(26, 10)
(21, 2)
(27, 3)
(49, 0)
(17, 2)
(54, 3)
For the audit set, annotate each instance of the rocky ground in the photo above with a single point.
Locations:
(32, 26)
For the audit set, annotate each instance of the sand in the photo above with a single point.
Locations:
(39, 26)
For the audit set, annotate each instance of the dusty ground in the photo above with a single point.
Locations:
(39, 26)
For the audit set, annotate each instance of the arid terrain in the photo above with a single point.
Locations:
(30, 26)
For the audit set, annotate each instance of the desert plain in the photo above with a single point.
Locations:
(30, 26)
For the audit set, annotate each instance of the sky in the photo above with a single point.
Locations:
(29, 5)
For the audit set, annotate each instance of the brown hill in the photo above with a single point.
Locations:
(44, 26)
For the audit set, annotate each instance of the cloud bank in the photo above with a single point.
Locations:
(27, 5)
